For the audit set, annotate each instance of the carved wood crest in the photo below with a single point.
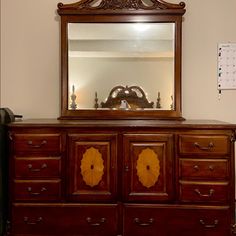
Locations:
(121, 5)
(133, 96)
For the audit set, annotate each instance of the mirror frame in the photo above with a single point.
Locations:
(121, 11)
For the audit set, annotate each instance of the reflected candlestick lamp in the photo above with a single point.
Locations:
(73, 104)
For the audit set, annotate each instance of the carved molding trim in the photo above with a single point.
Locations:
(133, 95)
(121, 4)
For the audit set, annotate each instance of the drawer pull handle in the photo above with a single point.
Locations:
(126, 168)
(143, 224)
(43, 189)
(43, 166)
(215, 223)
(30, 143)
(207, 148)
(196, 167)
(211, 191)
(92, 223)
(211, 168)
(28, 222)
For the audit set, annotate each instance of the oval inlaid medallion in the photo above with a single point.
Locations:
(92, 167)
(148, 167)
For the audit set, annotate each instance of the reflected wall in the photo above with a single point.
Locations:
(102, 56)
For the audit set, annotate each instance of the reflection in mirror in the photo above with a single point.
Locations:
(102, 57)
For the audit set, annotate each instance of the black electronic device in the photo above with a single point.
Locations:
(7, 116)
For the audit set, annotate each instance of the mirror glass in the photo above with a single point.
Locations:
(102, 57)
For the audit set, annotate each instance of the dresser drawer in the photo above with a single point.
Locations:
(65, 219)
(49, 144)
(200, 221)
(204, 192)
(204, 144)
(203, 168)
(37, 190)
(37, 167)
(163, 220)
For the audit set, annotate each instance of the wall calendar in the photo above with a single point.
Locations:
(226, 66)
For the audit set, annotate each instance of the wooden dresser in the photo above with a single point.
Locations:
(121, 177)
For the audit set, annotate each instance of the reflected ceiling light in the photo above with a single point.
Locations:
(141, 27)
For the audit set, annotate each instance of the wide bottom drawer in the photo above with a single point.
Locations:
(65, 219)
(151, 220)
(103, 220)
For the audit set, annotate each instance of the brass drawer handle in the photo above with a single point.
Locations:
(33, 222)
(211, 191)
(92, 223)
(196, 167)
(36, 193)
(43, 166)
(143, 224)
(30, 143)
(211, 168)
(207, 148)
(215, 223)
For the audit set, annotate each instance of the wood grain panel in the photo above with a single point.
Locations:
(106, 186)
(161, 146)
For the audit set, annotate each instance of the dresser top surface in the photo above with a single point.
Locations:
(123, 123)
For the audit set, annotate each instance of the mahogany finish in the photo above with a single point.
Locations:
(143, 177)
(162, 145)
(130, 175)
(107, 187)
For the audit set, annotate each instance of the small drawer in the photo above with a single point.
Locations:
(203, 168)
(204, 144)
(37, 190)
(65, 219)
(32, 144)
(37, 167)
(204, 192)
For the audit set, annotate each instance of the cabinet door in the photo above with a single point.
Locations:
(148, 167)
(92, 167)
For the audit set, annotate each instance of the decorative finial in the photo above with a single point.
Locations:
(172, 103)
(158, 105)
(96, 101)
(73, 104)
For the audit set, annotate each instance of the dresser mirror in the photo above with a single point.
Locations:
(121, 59)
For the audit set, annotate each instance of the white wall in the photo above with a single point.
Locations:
(122, 71)
(30, 77)
(206, 23)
